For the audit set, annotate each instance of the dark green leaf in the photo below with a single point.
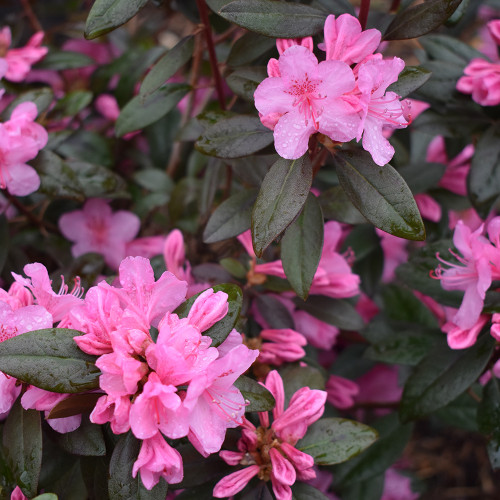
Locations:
(420, 19)
(259, 397)
(87, 440)
(42, 97)
(393, 438)
(167, 66)
(334, 440)
(337, 312)
(461, 413)
(274, 312)
(231, 218)
(248, 48)
(422, 176)
(410, 79)
(296, 376)
(107, 15)
(488, 419)
(76, 179)
(485, 165)
(155, 180)
(449, 49)
(336, 205)
(454, 123)
(75, 404)
(275, 19)
(442, 376)
(89, 147)
(222, 328)
(252, 169)
(49, 359)
(244, 81)
(58, 60)
(234, 137)
(234, 267)
(281, 197)
(143, 111)
(303, 491)
(46, 496)
(121, 484)
(380, 194)
(301, 247)
(22, 442)
(73, 102)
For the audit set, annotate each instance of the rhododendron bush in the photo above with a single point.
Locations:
(249, 249)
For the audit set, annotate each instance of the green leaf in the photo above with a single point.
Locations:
(303, 491)
(244, 81)
(234, 137)
(248, 48)
(155, 180)
(282, 195)
(449, 49)
(167, 66)
(485, 165)
(393, 438)
(22, 442)
(420, 19)
(275, 19)
(76, 179)
(49, 359)
(442, 376)
(121, 484)
(107, 15)
(336, 205)
(87, 146)
(87, 440)
(259, 397)
(422, 176)
(380, 194)
(46, 496)
(143, 111)
(301, 247)
(296, 376)
(73, 102)
(409, 80)
(336, 312)
(42, 97)
(58, 60)
(252, 169)
(488, 419)
(231, 218)
(222, 328)
(334, 440)
(274, 312)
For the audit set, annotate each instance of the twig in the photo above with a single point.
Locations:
(43, 225)
(202, 9)
(363, 13)
(30, 14)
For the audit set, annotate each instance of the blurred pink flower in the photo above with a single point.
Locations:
(397, 487)
(341, 391)
(482, 80)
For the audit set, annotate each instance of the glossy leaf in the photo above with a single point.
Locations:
(107, 15)
(42, 97)
(295, 376)
(336, 205)
(244, 81)
(274, 312)
(283, 193)
(380, 194)
(73, 102)
(334, 440)
(409, 80)
(231, 218)
(143, 111)
(222, 328)
(64, 59)
(485, 165)
(259, 397)
(234, 137)
(304, 491)
(167, 66)
(420, 19)
(488, 418)
(442, 376)
(49, 359)
(275, 19)
(248, 48)
(121, 484)
(22, 441)
(337, 312)
(301, 247)
(87, 440)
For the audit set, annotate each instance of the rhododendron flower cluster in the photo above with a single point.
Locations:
(269, 451)
(302, 97)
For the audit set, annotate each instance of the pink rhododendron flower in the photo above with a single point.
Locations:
(269, 451)
(306, 98)
(458, 337)
(96, 228)
(397, 487)
(19, 61)
(283, 345)
(379, 385)
(20, 140)
(17, 494)
(341, 391)
(428, 207)
(318, 333)
(395, 253)
(482, 81)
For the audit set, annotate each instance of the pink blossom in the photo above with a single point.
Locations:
(283, 345)
(380, 385)
(147, 247)
(96, 228)
(17, 494)
(458, 337)
(397, 487)
(395, 253)
(19, 61)
(9, 392)
(306, 98)
(482, 80)
(25, 319)
(107, 105)
(158, 459)
(345, 40)
(207, 309)
(112, 409)
(318, 333)
(20, 140)
(341, 391)
(428, 207)
(270, 453)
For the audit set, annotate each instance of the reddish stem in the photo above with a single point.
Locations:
(363, 13)
(30, 14)
(202, 9)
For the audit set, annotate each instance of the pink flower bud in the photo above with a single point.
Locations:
(207, 309)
